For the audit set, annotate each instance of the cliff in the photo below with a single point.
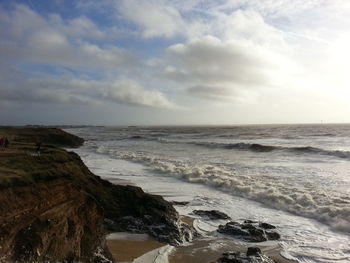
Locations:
(52, 208)
(51, 136)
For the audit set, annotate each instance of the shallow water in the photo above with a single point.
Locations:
(296, 177)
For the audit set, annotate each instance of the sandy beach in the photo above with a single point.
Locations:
(126, 247)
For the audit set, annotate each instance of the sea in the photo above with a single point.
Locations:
(296, 177)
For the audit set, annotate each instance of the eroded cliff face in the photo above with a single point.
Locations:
(46, 212)
(49, 221)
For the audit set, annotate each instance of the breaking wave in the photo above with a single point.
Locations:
(333, 210)
(268, 148)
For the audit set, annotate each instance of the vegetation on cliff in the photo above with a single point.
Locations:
(51, 136)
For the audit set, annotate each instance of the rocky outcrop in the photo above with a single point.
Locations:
(128, 208)
(253, 255)
(249, 231)
(211, 214)
(50, 221)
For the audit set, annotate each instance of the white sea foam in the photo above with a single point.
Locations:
(301, 173)
(304, 201)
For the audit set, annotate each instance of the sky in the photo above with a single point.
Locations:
(174, 62)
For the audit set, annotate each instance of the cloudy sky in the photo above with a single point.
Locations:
(154, 62)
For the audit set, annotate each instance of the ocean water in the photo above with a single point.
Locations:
(294, 176)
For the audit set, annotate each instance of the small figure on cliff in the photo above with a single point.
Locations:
(6, 142)
(38, 147)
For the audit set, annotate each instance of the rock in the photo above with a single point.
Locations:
(251, 232)
(233, 230)
(136, 137)
(133, 210)
(273, 235)
(253, 251)
(247, 221)
(211, 214)
(50, 221)
(266, 226)
(179, 203)
(253, 255)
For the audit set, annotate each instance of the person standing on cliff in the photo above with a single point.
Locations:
(6, 142)
(38, 147)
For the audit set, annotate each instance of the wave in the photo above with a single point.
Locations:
(329, 208)
(268, 148)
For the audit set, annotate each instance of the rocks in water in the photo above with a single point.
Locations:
(139, 212)
(253, 251)
(136, 137)
(179, 203)
(272, 235)
(249, 231)
(179, 232)
(266, 226)
(211, 214)
(253, 255)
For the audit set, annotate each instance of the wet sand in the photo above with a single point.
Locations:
(125, 247)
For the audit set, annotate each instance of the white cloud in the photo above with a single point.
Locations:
(45, 88)
(155, 18)
(130, 92)
(218, 69)
(32, 38)
(224, 50)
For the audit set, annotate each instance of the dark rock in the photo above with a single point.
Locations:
(136, 137)
(230, 257)
(233, 230)
(266, 226)
(253, 255)
(247, 226)
(179, 203)
(257, 235)
(251, 232)
(253, 251)
(273, 235)
(247, 221)
(211, 214)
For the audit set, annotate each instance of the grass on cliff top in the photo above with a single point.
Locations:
(50, 135)
(21, 165)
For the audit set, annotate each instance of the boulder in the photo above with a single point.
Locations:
(253, 255)
(211, 214)
(251, 232)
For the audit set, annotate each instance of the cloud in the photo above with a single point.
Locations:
(219, 69)
(130, 92)
(29, 37)
(155, 18)
(44, 88)
(211, 92)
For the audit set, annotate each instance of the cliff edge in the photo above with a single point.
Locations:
(52, 208)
